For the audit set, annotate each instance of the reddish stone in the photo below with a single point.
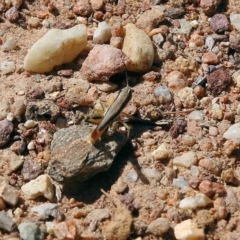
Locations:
(98, 65)
(218, 81)
(219, 23)
(83, 8)
(12, 14)
(210, 58)
(211, 188)
(209, 6)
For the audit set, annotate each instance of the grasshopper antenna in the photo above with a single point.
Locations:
(126, 75)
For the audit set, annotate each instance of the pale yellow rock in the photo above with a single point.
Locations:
(160, 153)
(55, 48)
(138, 47)
(41, 186)
(188, 230)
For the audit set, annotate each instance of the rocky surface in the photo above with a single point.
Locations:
(177, 175)
(74, 157)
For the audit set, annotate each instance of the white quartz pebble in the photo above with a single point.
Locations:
(102, 34)
(55, 48)
(233, 133)
(7, 67)
(199, 200)
(30, 124)
(9, 45)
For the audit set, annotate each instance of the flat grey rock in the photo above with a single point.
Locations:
(73, 157)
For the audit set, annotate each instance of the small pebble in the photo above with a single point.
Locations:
(9, 45)
(102, 34)
(150, 19)
(97, 4)
(97, 215)
(31, 145)
(176, 80)
(21, 93)
(163, 94)
(18, 212)
(199, 91)
(139, 48)
(152, 173)
(12, 14)
(30, 231)
(211, 188)
(209, 42)
(219, 23)
(218, 81)
(235, 20)
(106, 86)
(10, 117)
(217, 112)
(228, 176)
(213, 131)
(65, 230)
(188, 140)
(7, 67)
(151, 76)
(209, 7)
(4, 109)
(234, 40)
(210, 58)
(9, 194)
(162, 194)
(50, 227)
(194, 171)
(158, 226)
(160, 153)
(233, 133)
(198, 201)
(33, 22)
(196, 40)
(132, 177)
(221, 208)
(187, 230)
(181, 183)
(98, 64)
(186, 160)
(210, 165)
(185, 27)
(194, 23)
(6, 128)
(6, 223)
(47, 210)
(196, 115)
(41, 186)
(83, 8)
(30, 124)
(187, 97)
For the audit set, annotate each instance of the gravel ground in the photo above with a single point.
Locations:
(177, 175)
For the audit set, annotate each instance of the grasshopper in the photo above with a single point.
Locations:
(112, 113)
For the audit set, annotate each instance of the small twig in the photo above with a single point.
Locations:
(108, 197)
